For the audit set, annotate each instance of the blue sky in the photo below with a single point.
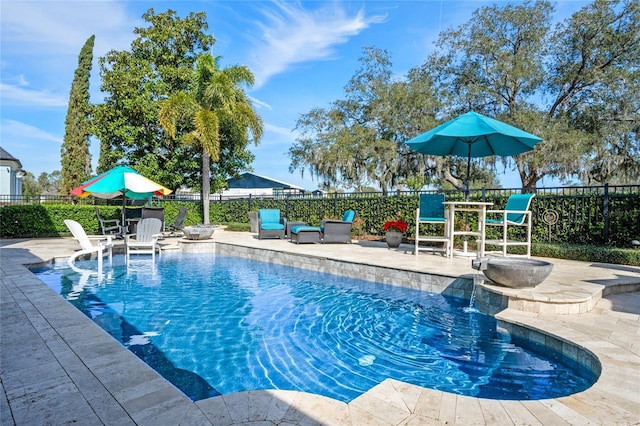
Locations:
(301, 53)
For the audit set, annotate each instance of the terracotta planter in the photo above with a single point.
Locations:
(393, 238)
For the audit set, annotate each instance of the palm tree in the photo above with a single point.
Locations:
(217, 105)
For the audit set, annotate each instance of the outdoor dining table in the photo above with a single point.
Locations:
(475, 207)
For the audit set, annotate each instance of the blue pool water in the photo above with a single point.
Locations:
(214, 324)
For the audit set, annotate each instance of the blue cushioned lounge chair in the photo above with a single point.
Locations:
(270, 224)
(338, 231)
(516, 213)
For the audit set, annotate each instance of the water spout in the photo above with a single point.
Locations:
(477, 264)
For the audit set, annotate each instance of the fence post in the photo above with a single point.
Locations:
(605, 213)
(286, 214)
(335, 203)
(249, 202)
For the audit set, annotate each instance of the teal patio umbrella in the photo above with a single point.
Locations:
(474, 135)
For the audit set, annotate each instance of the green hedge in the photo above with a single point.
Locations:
(587, 253)
(47, 220)
(581, 218)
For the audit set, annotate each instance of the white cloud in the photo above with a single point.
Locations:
(12, 129)
(18, 80)
(280, 131)
(41, 41)
(292, 35)
(15, 95)
(259, 103)
(62, 27)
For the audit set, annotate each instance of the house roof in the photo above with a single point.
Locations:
(250, 180)
(4, 155)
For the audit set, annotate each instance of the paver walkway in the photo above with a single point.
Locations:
(58, 367)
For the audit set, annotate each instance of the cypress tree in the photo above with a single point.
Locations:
(75, 156)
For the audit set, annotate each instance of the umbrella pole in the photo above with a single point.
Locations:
(466, 195)
(124, 227)
(466, 190)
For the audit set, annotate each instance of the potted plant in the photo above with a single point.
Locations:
(394, 231)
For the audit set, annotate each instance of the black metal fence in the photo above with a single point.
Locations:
(594, 215)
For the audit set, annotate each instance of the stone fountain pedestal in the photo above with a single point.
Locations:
(201, 232)
(514, 272)
(197, 239)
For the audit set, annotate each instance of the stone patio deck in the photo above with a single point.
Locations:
(58, 367)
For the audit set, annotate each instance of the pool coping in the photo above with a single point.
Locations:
(143, 397)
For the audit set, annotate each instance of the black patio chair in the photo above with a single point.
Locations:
(178, 225)
(109, 226)
(155, 212)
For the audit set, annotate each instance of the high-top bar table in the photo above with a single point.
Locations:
(477, 207)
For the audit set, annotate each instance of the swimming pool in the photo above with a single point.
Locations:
(215, 324)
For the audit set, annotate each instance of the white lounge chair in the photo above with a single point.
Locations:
(147, 234)
(86, 246)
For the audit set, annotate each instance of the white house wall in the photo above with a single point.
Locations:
(237, 192)
(5, 180)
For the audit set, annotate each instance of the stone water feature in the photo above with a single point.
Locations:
(200, 232)
(514, 272)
